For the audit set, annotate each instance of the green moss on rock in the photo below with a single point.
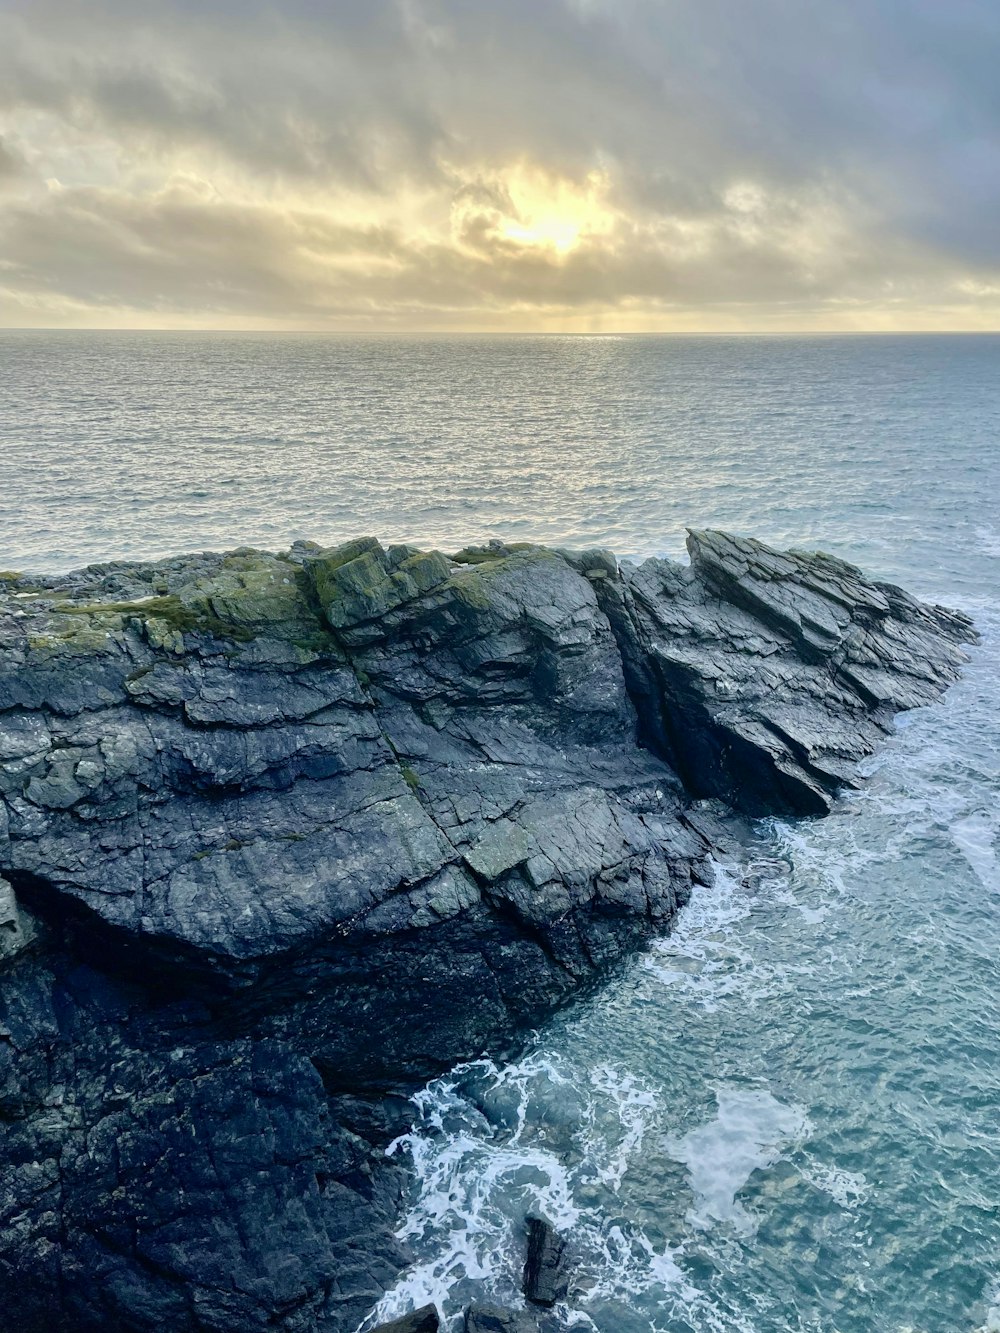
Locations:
(469, 589)
(490, 555)
(361, 581)
(171, 614)
(251, 597)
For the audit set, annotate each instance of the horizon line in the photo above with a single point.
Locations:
(514, 333)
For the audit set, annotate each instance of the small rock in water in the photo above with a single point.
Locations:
(544, 1275)
(424, 1320)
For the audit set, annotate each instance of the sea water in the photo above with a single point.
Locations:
(784, 1117)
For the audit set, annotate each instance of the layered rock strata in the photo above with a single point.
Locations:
(281, 835)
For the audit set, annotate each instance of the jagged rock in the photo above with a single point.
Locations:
(424, 1320)
(545, 1278)
(17, 929)
(764, 676)
(279, 816)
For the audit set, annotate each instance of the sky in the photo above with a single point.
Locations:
(550, 165)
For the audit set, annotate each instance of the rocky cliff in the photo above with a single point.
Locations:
(281, 835)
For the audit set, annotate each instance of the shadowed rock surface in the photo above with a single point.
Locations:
(545, 1277)
(266, 823)
(424, 1320)
(494, 1319)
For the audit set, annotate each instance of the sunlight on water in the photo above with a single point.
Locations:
(782, 1118)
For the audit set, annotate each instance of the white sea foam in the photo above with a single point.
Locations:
(490, 1143)
(846, 1188)
(975, 836)
(702, 955)
(633, 1104)
(467, 1164)
(707, 958)
(750, 1132)
(992, 1322)
(481, 1161)
(988, 540)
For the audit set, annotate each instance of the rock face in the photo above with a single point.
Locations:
(764, 676)
(266, 823)
(545, 1278)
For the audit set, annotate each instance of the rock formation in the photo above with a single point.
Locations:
(424, 1320)
(268, 821)
(545, 1276)
(493, 1319)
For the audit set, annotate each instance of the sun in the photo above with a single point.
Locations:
(552, 231)
(551, 212)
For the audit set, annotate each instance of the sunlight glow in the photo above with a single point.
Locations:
(552, 212)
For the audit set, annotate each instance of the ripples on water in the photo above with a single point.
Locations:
(783, 1117)
(139, 444)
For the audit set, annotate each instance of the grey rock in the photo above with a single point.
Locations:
(424, 1320)
(17, 927)
(495, 1319)
(763, 677)
(545, 1276)
(268, 821)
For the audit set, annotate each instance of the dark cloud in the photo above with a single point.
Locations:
(360, 158)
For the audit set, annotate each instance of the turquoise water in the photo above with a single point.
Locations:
(784, 1117)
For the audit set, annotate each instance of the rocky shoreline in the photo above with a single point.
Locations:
(281, 836)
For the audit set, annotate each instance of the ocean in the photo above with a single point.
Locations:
(783, 1117)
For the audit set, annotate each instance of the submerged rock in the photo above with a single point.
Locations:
(268, 821)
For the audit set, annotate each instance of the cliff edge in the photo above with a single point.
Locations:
(281, 835)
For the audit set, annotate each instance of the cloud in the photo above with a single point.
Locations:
(409, 163)
(13, 167)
